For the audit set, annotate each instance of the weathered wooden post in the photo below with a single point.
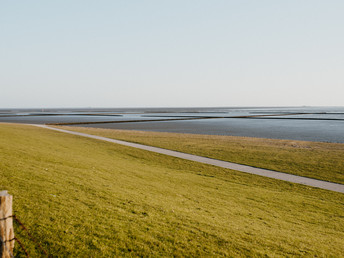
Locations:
(6, 225)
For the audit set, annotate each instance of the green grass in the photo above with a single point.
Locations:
(82, 197)
(311, 159)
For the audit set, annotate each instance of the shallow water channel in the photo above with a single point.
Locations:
(325, 124)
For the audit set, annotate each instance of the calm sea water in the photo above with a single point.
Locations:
(325, 124)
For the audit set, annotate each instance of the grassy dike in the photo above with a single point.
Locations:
(318, 160)
(82, 197)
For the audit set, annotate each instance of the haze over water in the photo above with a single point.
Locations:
(324, 124)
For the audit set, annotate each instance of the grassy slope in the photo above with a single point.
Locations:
(311, 159)
(83, 197)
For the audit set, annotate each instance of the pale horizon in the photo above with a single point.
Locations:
(170, 107)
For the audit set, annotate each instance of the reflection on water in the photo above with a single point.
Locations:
(299, 123)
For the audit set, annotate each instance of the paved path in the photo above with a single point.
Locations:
(219, 163)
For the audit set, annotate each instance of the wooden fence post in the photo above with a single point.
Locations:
(6, 225)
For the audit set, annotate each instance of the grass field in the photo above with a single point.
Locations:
(311, 159)
(82, 197)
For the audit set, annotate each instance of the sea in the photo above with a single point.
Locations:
(320, 124)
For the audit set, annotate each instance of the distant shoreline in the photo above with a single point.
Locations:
(316, 124)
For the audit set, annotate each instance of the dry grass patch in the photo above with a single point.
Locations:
(311, 159)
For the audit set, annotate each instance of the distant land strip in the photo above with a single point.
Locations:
(336, 187)
(43, 114)
(131, 121)
(292, 118)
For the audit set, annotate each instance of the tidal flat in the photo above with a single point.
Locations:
(318, 124)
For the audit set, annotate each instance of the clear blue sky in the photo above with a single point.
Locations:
(108, 53)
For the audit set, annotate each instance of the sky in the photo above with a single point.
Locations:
(190, 53)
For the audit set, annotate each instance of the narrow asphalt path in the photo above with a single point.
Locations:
(219, 163)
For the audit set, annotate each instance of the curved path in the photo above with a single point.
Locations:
(219, 163)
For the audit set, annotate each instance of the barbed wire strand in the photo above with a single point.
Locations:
(28, 233)
(22, 246)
